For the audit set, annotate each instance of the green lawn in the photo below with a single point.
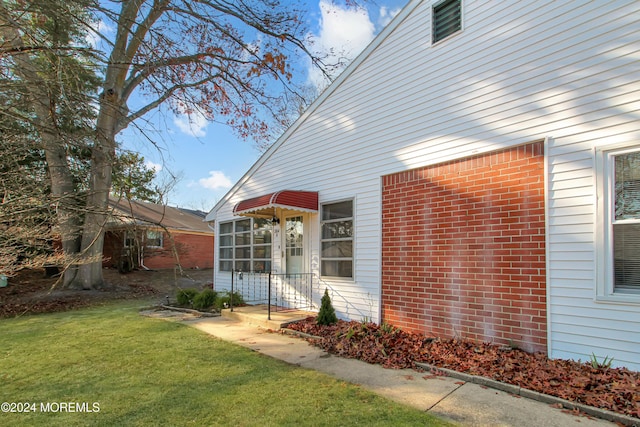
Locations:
(142, 371)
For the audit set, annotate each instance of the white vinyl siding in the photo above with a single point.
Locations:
(519, 72)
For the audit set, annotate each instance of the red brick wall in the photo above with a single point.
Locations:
(463, 249)
(194, 251)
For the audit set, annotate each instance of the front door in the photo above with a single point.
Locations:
(294, 244)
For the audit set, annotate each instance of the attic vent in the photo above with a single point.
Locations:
(447, 19)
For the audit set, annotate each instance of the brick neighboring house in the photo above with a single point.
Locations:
(148, 235)
(473, 172)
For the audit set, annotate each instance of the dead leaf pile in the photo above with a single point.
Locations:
(614, 389)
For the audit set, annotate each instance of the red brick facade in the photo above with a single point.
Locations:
(463, 248)
(194, 251)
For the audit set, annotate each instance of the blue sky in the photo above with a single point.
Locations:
(208, 158)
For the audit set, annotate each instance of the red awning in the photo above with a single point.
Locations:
(303, 201)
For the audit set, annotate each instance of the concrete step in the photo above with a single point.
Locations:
(258, 315)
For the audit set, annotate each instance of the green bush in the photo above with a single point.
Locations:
(204, 299)
(186, 296)
(226, 299)
(237, 299)
(327, 314)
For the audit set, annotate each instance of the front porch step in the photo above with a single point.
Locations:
(257, 315)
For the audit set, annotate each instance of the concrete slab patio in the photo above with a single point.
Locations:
(453, 399)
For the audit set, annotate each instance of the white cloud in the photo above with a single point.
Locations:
(194, 124)
(157, 167)
(343, 34)
(386, 15)
(94, 38)
(217, 180)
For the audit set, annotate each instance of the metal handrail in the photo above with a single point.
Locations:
(285, 291)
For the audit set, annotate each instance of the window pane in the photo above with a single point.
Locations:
(337, 210)
(226, 265)
(262, 251)
(243, 239)
(340, 249)
(627, 175)
(262, 236)
(226, 240)
(337, 268)
(226, 253)
(261, 224)
(626, 264)
(243, 225)
(243, 265)
(337, 230)
(261, 266)
(226, 227)
(244, 252)
(154, 239)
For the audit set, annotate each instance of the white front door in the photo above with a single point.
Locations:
(294, 244)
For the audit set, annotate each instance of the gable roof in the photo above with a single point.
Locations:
(395, 22)
(128, 212)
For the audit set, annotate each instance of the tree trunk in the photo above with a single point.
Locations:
(97, 207)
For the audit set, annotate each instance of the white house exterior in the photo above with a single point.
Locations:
(545, 94)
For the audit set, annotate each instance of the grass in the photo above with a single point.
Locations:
(143, 371)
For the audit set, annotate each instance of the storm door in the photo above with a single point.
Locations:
(294, 244)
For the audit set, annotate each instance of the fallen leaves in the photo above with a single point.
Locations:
(616, 390)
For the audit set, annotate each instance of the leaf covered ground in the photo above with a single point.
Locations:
(31, 291)
(616, 389)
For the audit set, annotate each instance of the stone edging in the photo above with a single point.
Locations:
(287, 331)
(540, 397)
(190, 311)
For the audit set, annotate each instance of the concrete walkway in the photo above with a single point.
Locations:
(453, 399)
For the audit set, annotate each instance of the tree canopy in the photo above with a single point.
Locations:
(68, 98)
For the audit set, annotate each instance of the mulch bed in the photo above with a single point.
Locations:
(614, 389)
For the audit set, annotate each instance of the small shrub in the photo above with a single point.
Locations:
(327, 314)
(224, 301)
(186, 296)
(204, 299)
(605, 364)
(387, 328)
(237, 299)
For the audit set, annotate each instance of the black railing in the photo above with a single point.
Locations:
(279, 291)
(300, 291)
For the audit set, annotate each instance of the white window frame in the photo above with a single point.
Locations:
(253, 245)
(605, 179)
(352, 218)
(160, 238)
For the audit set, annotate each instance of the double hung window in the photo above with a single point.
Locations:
(336, 256)
(619, 251)
(153, 239)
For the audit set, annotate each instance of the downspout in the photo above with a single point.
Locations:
(213, 270)
(141, 258)
(141, 253)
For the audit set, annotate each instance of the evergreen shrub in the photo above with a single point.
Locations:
(327, 314)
